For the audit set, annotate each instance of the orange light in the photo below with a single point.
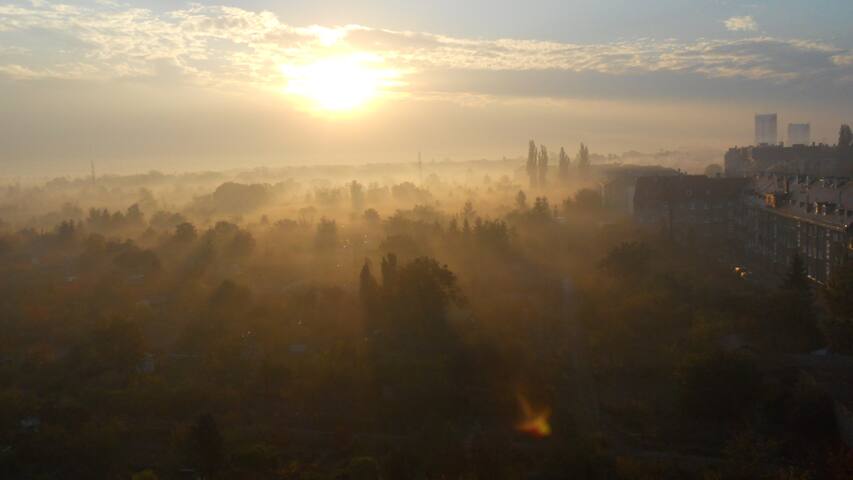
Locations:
(534, 422)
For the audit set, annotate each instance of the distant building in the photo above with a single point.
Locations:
(766, 130)
(689, 208)
(617, 189)
(811, 160)
(799, 133)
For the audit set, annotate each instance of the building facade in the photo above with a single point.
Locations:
(766, 129)
(817, 161)
(758, 222)
(783, 214)
(690, 208)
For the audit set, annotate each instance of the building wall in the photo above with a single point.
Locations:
(757, 223)
(766, 129)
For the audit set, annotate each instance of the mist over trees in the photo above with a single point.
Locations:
(441, 320)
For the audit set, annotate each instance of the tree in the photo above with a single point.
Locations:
(185, 233)
(206, 444)
(134, 216)
(583, 158)
(718, 386)
(426, 290)
(356, 194)
(135, 260)
(628, 260)
(839, 290)
(713, 170)
(234, 197)
(838, 294)
(230, 298)
(492, 234)
(363, 468)
(794, 312)
(368, 292)
(543, 166)
(145, 475)
(327, 235)
(541, 211)
(371, 215)
(845, 142)
(532, 165)
(468, 212)
(796, 279)
(521, 200)
(66, 232)
(564, 165)
(587, 199)
(242, 244)
(389, 273)
(119, 345)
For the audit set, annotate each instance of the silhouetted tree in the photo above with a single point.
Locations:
(356, 194)
(389, 273)
(839, 290)
(327, 235)
(521, 200)
(533, 165)
(794, 319)
(845, 142)
(796, 279)
(206, 445)
(492, 234)
(713, 170)
(543, 166)
(587, 200)
(583, 158)
(838, 294)
(425, 292)
(66, 232)
(368, 292)
(241, 245)
(185, 233)
(119, 345)
(468, 212)
(564, 165)
(371, 215)
(134, 260)
(628, 260)
(718, 386)
(229, 298)
(541, 211)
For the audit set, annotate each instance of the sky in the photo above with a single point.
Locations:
(178, 86)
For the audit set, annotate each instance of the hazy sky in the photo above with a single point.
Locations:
(171, 85)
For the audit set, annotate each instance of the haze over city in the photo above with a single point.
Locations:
(443, 240)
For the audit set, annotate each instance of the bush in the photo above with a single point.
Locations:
(718, 386)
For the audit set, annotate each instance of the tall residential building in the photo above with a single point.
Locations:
(766, 129)
(799, 133)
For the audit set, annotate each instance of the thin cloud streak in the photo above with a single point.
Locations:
(741, 24)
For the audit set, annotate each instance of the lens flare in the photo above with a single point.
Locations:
(534, 421)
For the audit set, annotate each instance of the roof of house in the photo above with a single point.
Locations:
(658, 190)
(798, 195)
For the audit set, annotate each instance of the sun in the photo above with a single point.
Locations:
(339, 84)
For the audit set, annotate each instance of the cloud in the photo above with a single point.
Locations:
(229, 48)
(843, 60)
(741, 24)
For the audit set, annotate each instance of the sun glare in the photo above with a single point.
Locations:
(339, 84)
